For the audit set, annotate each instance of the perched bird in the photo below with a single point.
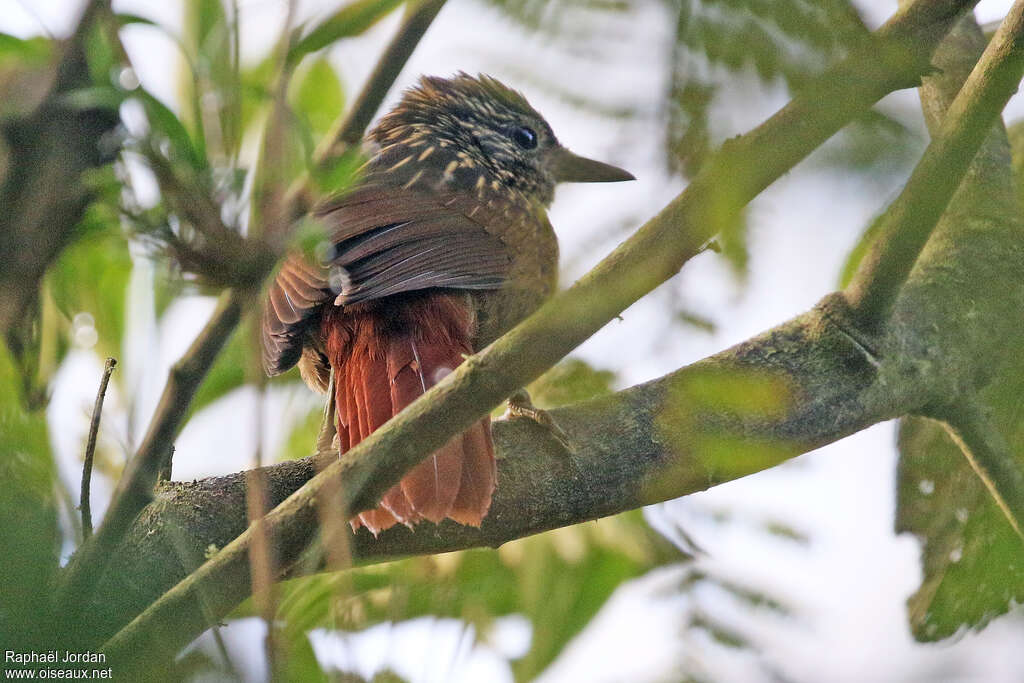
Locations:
(441, 247)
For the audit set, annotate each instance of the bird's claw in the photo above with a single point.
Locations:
(520, 406)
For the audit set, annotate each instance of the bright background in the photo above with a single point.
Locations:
(848, 582)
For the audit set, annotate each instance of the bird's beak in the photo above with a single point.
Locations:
(570, 168)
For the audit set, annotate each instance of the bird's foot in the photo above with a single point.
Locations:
(520, 406)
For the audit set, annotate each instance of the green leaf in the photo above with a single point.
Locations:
(297, 662)
(317, 96)
(127, 19)
(351, 20)
(165, 124)
(255, 89)
(972, 560)
(340, 172)
(25, 51)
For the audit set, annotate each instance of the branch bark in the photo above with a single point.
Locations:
(744, 167)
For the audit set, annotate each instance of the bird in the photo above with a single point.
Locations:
(441, 246)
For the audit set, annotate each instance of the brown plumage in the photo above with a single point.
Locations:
(442, 247)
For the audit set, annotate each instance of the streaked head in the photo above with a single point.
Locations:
(479, 128)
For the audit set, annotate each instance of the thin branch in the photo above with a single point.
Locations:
(135, 488)
(910, 219)
(349, 131)
(990, 456)
(90, 449)
(740, 171)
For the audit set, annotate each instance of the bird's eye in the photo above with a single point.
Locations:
(524, 137)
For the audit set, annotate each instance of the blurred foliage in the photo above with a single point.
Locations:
(717, 50)
(716, 40)
(558, 580)
(26, 73)
(570, 381)
(351, 20)
(317, 96)
(91, 276)
(703, 405)
(29, 534)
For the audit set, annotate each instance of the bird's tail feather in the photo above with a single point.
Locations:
(384, 359)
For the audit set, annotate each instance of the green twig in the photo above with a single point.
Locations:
(907, 224)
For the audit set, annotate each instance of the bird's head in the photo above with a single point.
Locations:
(477, 134)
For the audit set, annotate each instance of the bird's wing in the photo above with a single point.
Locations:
(388, 240)
(292, 305)
(385, 240)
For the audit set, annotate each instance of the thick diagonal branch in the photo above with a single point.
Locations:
(647, 444)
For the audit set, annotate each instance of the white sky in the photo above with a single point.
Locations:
(849, 585)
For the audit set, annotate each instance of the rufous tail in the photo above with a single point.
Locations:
(385, 355)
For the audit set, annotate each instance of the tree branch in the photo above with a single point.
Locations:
(910, 219)
(743, 168)
(654, 442)
(347, 132)
(90, 449)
